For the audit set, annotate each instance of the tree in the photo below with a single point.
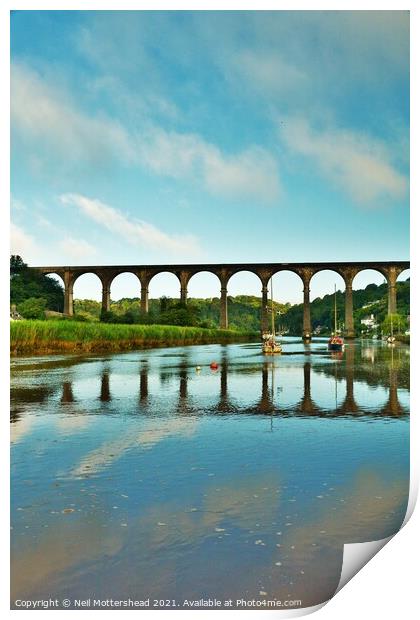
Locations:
(32, 308)
(28, 284)
(398, 324)
(16, 265)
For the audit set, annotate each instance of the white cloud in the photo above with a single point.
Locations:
(353, 161)
(21, 242)
(76, 248)
(130, 229)
(69, 137)
(267, 71)
(251, 173)
(52, 122)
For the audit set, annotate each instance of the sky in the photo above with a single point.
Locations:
(147, 137)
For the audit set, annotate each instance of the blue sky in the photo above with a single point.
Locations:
(170, 137)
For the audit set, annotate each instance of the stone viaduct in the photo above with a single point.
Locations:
(145, 273)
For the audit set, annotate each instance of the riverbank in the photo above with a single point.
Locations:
(44, 337)
(405, 339)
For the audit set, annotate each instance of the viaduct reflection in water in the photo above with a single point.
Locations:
(231, 401)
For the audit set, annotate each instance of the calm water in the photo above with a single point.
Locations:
(136, 475)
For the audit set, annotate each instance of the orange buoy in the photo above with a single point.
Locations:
(214, 365)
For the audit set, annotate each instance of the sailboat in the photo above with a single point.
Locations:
(335, 343)
(270, 346)
(391, 337)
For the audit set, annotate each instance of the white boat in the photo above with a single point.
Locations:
(391, 337)
(270, 346)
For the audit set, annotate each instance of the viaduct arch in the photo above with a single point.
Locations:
(348, 270)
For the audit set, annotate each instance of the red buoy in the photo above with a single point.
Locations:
(214, 365)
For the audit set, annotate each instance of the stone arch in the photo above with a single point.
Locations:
(233, 273)
(122, 282)
(365, 283)
(85, 286)
(287, 289)
(210, 277)
(57, 276)
(210, 289)
(322, 285)
(403, 299)
(300, 273)
(404, 275)
(368, 275)
(165, 283)
(259, 289)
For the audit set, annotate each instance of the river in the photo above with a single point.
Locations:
(140, 475)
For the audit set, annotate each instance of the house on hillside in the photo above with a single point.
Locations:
(369, 322)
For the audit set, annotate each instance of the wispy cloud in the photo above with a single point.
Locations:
(268, 72)
(76, 248)
(54, 123)
(353, 161)
(51, 122)
(251, 173)
(133, 230)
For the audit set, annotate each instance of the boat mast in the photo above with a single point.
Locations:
(272, 309)
(335, 309)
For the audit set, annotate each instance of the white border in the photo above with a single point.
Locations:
(386, 587)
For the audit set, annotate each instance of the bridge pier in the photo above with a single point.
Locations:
(68, 293)
(264, 304)
(392, 292)
(184, 295)
(307, 326)
(349, 321)
(223, 308)
(348, 276)
(106, 297)
(184, 277)
(144, 299)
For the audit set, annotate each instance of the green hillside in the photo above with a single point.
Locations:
(371, 300)
(244, 311)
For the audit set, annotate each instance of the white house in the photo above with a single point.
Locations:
(369, 322)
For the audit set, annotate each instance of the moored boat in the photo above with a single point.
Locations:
(336, 342)
(270, 346)
(391, 338)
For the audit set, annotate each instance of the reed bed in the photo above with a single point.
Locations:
(33, 337)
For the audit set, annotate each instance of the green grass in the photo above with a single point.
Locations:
(30, 336)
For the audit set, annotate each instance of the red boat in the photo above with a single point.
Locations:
(335, 343)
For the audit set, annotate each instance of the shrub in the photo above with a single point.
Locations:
(33, 308)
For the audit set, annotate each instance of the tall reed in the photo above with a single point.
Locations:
(30, 336)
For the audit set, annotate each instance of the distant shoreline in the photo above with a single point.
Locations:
(47, 337)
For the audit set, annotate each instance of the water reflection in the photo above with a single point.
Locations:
(67, 396)
(271, 386)
(140, 475)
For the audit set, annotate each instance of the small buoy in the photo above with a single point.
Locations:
(214, 365)
(198, 368)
